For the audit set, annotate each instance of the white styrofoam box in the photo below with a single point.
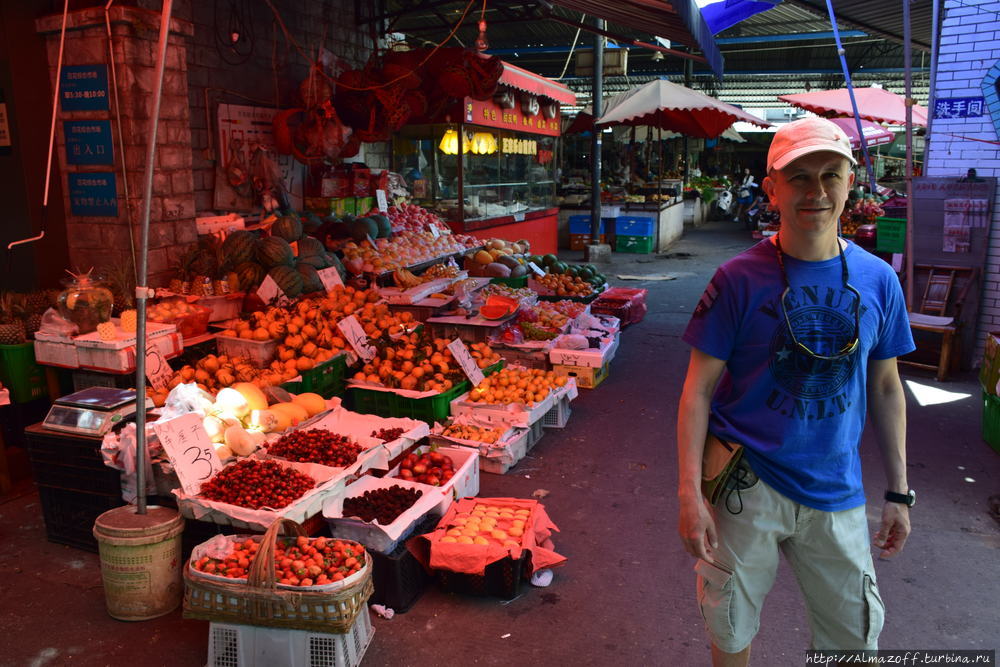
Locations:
(375, 536)
(511, 414)
(118, 356)
(224, 306)
(498, 460)
(259, 353)
(231, 645)
(464, 483)
(57, 353)
(210, 224)
(590, 358)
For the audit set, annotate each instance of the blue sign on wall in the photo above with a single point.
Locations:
(959, 107)
(84, 88)
(93, 194)
(88, 142)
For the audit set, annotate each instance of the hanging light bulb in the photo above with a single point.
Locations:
(481, 42)
(449, 142)
(483, 143)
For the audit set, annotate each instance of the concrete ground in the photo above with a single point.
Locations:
(626, 594)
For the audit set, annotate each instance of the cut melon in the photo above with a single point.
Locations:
(313, 403)
(494, 312)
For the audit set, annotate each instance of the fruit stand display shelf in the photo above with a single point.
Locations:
(384, 279)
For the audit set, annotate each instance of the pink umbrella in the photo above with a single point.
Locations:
(875, 104)
(875, 135)
(669, 106)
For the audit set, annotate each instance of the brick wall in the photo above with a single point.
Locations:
(266, 72)
(969, 50)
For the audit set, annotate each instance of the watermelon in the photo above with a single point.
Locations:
(250, 274)
(310, 278)
(310, 222)
(287, 227)
(384, 226)
(308, 247)
(239, 247)
(275, 251)
(288, 279)
(361, 228)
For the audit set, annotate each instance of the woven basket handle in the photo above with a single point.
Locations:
(261, 573)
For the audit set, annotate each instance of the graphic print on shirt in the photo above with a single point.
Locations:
(809, 388)
(707, 299)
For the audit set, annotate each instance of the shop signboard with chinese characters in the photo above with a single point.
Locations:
(88, 142)
(490, 114)
(84, 88)
(959, 107)
(93, 194)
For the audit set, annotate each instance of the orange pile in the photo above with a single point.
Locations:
(565, 285)
(472, 432)
(526, 386)
(417, 362)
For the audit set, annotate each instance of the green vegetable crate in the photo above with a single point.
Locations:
(326, 379)
(20, 374)
(634, 244)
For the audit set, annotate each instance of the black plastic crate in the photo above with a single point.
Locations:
(502, 578)
(70, 463)
(70, 514)
(398, 577)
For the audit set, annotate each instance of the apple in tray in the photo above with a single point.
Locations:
(432, 468)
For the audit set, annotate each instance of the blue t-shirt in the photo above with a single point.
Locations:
(799, 418)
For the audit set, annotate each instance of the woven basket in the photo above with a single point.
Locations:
(260, 602)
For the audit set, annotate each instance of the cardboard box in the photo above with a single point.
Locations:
(587, 377)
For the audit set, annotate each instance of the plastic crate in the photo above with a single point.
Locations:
(19, 373)
(86, 379)
(325, 379)
(991, 421)
(581, 241)
(222, 307)
(502, 579)
(630, 225)
(535, 433)
(398, 577)
(580, 224)
(388, 404)
(259, 353)
(231, 645)
(634, 244)
(558, 414)
(515, 283)
(69, 514)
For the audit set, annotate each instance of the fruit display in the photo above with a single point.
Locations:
(405, 249)
(410, 217)
(526, 386)
(382, 505)
(473, 432)
(85, 302)
(418, 362)
(256, 484)
(588, 273)
(571, 309)
(316, 446)
(497, 307)
(388, 434)
(562, 284)
(432, 468)
(405, 279)
(864, 212)
(21, 314)
(214, 372)
(301, 561)
(499, 259)
(488, 524)
(190, 319)
(523, 295)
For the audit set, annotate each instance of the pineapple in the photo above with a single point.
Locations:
(130, 320)
(185, 272)
(121, 280)
(36, 302)
(11, 318)
(107, 331)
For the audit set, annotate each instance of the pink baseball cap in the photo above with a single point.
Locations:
(802, 137)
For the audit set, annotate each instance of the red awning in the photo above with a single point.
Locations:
(522, 79)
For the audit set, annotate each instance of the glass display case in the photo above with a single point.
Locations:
(496, 173)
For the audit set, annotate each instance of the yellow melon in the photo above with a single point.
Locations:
(295, 412)
(255, 397)
(313, 403)
(483, 257)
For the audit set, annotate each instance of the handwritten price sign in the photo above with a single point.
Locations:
(189, 448)
(269, 291)
(330, 278)
(356, 336)
(383, 202)
(158, 371)
(465, 360)
(534, 267)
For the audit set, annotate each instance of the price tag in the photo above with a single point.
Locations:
(189, 448)
(519, 217)
(158, 371)
(330, 277)
(534, 267)
(356, 336)
(383, 203)
(465, 360)
(269, 291)
(433, 229)
(371, 241)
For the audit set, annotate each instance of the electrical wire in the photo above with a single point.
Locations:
(569, 56)
(240, 25)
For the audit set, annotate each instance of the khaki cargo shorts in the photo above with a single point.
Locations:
(828, 551)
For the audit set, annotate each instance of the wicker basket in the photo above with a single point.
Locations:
(261, 602)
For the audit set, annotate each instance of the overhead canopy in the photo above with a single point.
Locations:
(522, 79)
(875, 135)
(724, 14)
(672, 107)
(642, 134)
(875, 104)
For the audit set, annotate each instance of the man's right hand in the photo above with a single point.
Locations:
(697, 528)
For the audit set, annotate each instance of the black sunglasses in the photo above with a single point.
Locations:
(848, 349)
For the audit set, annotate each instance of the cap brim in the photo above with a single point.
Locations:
(796, 153)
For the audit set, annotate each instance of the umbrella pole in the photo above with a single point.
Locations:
(141, 291)
(595, 146)
(850, 92)
(908, 75)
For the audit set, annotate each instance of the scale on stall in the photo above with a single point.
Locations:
(93, 411)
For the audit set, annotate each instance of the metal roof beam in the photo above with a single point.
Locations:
(794, 37)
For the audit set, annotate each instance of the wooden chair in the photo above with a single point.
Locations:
(940, 312)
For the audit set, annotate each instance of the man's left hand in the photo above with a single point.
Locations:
(895, 528)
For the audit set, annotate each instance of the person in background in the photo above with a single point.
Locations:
(746, 187)
(792, 341)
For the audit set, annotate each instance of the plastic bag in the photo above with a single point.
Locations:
(121, 449)
(184, 399)
(54, 324)
(573, 342)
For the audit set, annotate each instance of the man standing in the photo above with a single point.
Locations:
(793, 341)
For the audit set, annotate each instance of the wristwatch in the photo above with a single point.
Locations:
(909, 499)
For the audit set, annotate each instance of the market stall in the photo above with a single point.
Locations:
(487, 165)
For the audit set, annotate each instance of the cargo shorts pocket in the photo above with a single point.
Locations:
(874, 612)
(715, 598)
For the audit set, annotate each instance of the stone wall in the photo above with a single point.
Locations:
(967, 58)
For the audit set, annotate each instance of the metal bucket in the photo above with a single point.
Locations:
(140, 561)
